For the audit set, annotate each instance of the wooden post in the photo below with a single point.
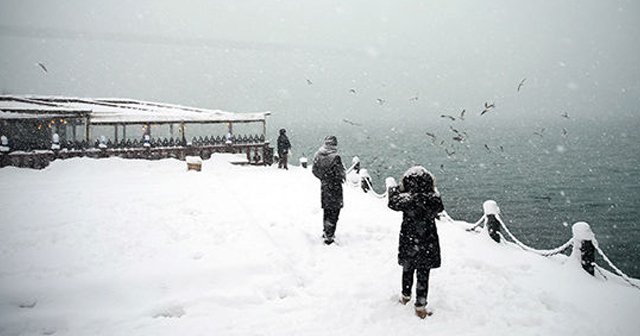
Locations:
(183, 135)
(264, 128)
(116, 132)
(124, 132)
(87, 131)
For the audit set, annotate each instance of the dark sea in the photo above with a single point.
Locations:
(545, 176)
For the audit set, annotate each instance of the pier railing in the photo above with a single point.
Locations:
(38, 156)
(583, 241)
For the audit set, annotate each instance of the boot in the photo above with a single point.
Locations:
(422, 312)
(404, 299)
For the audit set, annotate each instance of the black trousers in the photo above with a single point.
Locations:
(330, 221)
(282, 160)
(422, 286)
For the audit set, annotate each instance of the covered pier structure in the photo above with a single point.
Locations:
(35, 130)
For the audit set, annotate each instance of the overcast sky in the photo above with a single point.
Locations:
(578, 56)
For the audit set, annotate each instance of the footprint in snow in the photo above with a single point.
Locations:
(168, 311)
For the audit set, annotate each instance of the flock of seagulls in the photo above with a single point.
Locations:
(460, 137)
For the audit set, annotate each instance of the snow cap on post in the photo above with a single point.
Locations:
(390, 182)
(490, 207)
(582, 231)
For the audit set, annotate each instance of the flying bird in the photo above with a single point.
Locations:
(414, 98)
(546, 198)
(521, 84)
(487, 147)
(431, 135)
(565, 115)
(458, 138)
(44, 68)
(351, 122)
(540, 134)
(380, 101)
(309, 82)
(442, 167)
(449, 153)
(564, 132)
(462, 114)
(448, 116)
(487, 107)
(352, 90)
(502, 149)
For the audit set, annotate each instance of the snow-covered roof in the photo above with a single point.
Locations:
(12, 107)
(118, 111)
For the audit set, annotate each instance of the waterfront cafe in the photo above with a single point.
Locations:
(38, 122)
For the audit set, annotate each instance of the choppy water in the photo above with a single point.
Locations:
(542, 182)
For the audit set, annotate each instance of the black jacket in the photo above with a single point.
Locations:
(419, 244)
(283, 145)
(327, 166)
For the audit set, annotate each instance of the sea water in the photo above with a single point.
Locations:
(544, 177)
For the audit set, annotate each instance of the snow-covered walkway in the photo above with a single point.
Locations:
(127, 247)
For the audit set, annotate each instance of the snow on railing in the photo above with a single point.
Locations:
(583, 241)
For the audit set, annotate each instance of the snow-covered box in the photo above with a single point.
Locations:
(194, 163)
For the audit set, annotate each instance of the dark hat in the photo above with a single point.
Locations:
(331, 140)
(418, 179)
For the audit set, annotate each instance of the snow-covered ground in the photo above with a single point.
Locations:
(128, 247)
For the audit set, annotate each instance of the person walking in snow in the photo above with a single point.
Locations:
(419, 245)
(327, 166)
(283, 149)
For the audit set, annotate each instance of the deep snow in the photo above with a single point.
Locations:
(128, 247)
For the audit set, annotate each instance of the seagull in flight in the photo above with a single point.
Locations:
(521, 84)
(351, 122)
(540, 134)
(380, 101)
(352, 90)
(309, 82)
(431, 135)
(414, 98)
(44, 68)
(448, 116)
(565, 115)
(462, 114)
(487, 107)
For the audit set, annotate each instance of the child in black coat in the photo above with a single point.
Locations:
(419, 244)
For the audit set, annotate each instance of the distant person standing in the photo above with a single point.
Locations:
(327, 166)
(283, 149)
(419, 244)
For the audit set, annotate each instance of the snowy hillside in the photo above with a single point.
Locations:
(115, 247)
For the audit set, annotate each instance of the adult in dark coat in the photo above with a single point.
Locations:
(327, 166)
(419, 245)
(283, 149)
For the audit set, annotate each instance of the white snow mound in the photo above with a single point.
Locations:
(134, 247)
